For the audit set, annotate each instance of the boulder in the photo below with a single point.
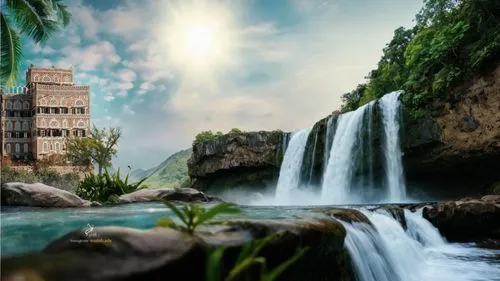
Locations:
(236, 159)
(170, 194)
(39, 195)
(465, 219)
(115, 253)
(347, 215)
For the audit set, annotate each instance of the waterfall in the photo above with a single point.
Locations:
(289, 177)
(342, 162)
(390, 106)
(330, 130)
(311, 166)
(386, 252)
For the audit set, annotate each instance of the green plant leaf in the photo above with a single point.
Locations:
(277, 271)
(166, 222)
(221, 208)
(213, 268)
(177, 212)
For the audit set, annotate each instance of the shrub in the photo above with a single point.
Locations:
(206, 135)
(235, 131)
(103, 188)
(50, 177)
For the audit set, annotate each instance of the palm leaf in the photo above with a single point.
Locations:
(61, 11)
(11, 52)
(33, 17)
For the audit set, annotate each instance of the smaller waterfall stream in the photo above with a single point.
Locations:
(390, 106)
(289, 177)
(386, 252)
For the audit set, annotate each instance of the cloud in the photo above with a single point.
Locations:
(85, 17)
(102, 54)
(109, 97)
(128, 110)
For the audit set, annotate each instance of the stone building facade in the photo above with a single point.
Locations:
(37, 118)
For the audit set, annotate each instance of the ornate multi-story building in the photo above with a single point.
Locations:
(37, 118)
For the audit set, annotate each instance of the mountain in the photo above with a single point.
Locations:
(172, 172)
(138, 174)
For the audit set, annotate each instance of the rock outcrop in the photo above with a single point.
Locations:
(40, 195)
(462, 142)
(170, 194)
(467, 219)
(127, 254)
(236, 159)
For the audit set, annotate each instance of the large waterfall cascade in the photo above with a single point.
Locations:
(386, 252)
(337, 178)
(390, 106)
(289, 178)
(351, 156)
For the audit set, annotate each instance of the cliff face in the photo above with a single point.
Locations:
(463, 142)
(244, 159)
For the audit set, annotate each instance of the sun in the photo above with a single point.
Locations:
(199, 35)
(199, 40)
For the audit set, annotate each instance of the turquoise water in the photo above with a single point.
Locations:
(31, 229)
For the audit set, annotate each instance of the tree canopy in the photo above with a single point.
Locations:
(99, 148)
(451, 41)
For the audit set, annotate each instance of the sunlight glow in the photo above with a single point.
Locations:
(198, 36)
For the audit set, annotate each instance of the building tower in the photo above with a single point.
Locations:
(37, 119)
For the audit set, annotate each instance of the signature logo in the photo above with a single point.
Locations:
(88, 229)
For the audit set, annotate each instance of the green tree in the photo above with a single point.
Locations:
(206, 135)
(37, 19)
(98, 149)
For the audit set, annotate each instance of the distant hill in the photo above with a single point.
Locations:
(139, 174)
(170, 173)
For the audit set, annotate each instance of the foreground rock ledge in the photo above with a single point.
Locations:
(466, 219)
(160, 253)
(39, 195)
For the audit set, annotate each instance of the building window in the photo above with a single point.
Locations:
(8, 105)
(17, 105)
(53, 102)
(37, 78)
(26, 105)
(7, 147)
(54, 124)
(25, 135)
(26, 147)
(25, 126)
(64, 133)
(51, 147)
(79, 133)
(46, 78)
(79, 103)
(17, 126)
(17, 134)
(45, 147)
(8, 134)
(18, 148)
(81, 124)
(9, 126)
(42, 102)
(57, 147)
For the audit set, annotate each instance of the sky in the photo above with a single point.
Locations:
(165, 70)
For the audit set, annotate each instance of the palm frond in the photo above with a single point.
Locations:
(61, 11)
(11, 52)
(33, 17)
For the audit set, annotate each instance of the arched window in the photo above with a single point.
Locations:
(17, 126)
(18, 148)
(36, 78)
(26, 105)
(42, 101)
(54, 124)
(26, 147)
(79, 103)
(65, 123)
(26, 126)
(45, 147)
(17, 105)
(46, 78)
(7, 147)
(51, 146)
(57, 147)
(53, 102)
(81, 124)
(8, 105)
(9, 125)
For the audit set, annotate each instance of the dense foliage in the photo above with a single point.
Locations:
(105, 187)
(50, 177)
(206, 136)
(451, 41)
(99, 148)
